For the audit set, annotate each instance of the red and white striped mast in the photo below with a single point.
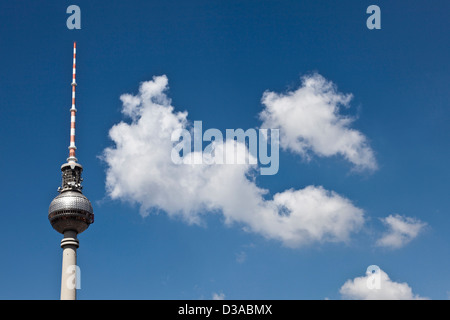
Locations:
(73, 110)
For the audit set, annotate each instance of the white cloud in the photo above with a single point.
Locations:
(401, 230)
(140, 171)
(218, 296)
(359, 289)
(309, 121)
(241, 257)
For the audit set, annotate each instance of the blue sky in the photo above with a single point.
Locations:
(220, 57)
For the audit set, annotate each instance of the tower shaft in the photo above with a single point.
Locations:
(70, 277)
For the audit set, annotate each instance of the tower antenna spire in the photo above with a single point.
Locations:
(73, 110)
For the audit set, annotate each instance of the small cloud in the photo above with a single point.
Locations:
(241, 257)
(401, 230)
(218, 296)
(377, 286)
(310, 121)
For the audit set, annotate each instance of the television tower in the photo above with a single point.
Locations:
(70, 213)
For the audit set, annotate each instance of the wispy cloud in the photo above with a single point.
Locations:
(218, 296)
(310, 121)
(140, 171)
(401, 231)
(241, 257)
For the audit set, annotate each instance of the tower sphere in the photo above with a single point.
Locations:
(70, 210)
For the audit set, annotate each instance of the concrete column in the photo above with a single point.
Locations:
(69, 266)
